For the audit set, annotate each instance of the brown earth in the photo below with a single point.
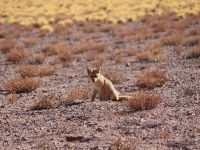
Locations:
(73, 121)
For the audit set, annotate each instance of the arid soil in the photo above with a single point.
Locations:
(72, 121)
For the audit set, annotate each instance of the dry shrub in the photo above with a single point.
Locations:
(118, 54)
(151, 55)
(144, 101)
(17, 56)
(88, 28)
(29, 41)
(115, 76)
(12, 98)
(33, 71)
(46, 102)
(36, 59)
(80, 93)
(194, 52)
(65, 57)
(55, 48)
(7, 45)
(19, 85)
(159, 25)
(84, 46)
(174, 39)
(192, 41)
(152, 79)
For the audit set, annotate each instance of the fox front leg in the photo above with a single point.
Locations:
(94, 94)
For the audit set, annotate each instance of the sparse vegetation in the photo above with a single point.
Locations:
(152, 79)
(19, 85)
(17, 56)
(7, 45)
(192, 41)
(174, 39)
(194, 52)
(151, 55)
(36, 59)
(33, 71)
(115, 76)
(12, 98)
(144, 100)
(46, 102)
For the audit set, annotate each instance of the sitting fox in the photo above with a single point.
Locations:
(103, 87)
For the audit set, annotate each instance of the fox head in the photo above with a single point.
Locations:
(94, 74)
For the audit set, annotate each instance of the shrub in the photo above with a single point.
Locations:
(194, 52)
(12, 98)
(151, 79)
(7, 45)
(192, 41)
(143, 101)
(36, 59)
(151, 55)
(174, 39)
(45, 102)
(22, 85)
(33, 70)
(115, 76)
(17, 56)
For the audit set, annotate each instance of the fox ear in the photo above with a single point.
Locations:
(89, 70)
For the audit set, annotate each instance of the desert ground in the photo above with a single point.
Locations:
(45, 91)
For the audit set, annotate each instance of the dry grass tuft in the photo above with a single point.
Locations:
(33, 71)
(12, 98)
(192, 41)
(84, 46)
(7, 45)
(19, 85)
(65, 57)
(144, 101)
(55, 48)
(46, 102)
(151, 55)
(115, 76)
(17, 56)
(80, 93)
(194, 52)
(36, 59)
(29, 41)
(152, 79)
(174, 39)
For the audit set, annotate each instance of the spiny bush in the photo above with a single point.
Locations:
(115, 76)
(17, 56)
(7, 45)
(151, 55)
(19, 85)
(152, 79)
(144, 101)
(192, 41)
(174, 39)
(46, 102)
(12, 98)
(194, 52)
(36, 59)
(33, 71)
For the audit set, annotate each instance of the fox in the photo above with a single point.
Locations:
(103, 87)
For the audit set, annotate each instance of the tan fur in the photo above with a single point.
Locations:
(103, 87)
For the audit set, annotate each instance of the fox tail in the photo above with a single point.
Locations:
(124, 98)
